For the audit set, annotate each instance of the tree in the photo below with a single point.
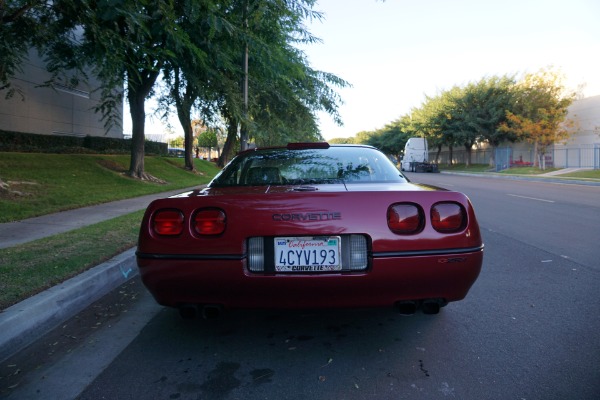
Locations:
(284, 92)
(184, 98)
(540, 112)
(465, 115)
(196, 45)
(178, 142)
(293, 91)
(26, 26)
(208, 139)
(195, 80)
(22, 26)
(433, 121)
(349, 140)
(479, 109)
(392, 138)
(130, 43)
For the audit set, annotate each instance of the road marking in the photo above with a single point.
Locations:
(531, 198)
(125, 273)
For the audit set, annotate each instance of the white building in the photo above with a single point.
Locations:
(42, 110)
(581, 150)
(587, 114)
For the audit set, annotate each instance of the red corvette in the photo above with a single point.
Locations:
(308, 226)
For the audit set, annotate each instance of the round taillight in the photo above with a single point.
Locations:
(210, 222)
(448, 217)
(168, 222)
(405, 218)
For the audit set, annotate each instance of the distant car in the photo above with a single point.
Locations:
(176, 152)
(310, 226)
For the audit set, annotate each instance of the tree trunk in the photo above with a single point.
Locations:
(492, 162)
(184, 115)
(229, 143)
(468, 150)
(183, 104)
(188, 133)
(542, 157)
(139, 84)
(138, 119)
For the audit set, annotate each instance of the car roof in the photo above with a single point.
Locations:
(304, 146)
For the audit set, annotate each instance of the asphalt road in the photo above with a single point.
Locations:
(529, 328)
(563, 219)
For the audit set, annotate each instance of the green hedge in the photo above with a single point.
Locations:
(33, 143)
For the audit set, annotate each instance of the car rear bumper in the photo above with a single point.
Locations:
(389, 280)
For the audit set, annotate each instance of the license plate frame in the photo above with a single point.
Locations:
(307, 254)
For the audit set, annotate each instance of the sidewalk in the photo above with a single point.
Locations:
(14, 233)
(564, 171)
(27, 321)
(551, 177)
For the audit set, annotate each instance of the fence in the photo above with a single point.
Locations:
(580, 156)
(570, 156)
(507, 157)
(459, 156)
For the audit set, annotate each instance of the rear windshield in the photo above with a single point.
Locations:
(308, 166)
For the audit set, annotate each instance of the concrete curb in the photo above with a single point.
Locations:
(549, 179)
(29, 320)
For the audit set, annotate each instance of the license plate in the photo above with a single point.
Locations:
(307, 254)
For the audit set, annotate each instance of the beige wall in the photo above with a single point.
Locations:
(51, 112)
(587, 114)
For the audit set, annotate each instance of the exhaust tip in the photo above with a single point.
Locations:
(406, 307)
(211, 311)
(188, 311)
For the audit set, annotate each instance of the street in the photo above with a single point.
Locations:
(528, 329)
(562, 219)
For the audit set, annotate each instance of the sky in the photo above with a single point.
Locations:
(396, 52)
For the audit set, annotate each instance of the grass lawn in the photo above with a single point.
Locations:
(584, 174)
(46, 183)
(526, 171)
(476, 168)
(29, 268)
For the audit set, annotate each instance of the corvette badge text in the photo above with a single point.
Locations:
(324, 216)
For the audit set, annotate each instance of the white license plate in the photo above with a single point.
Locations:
(308, 254)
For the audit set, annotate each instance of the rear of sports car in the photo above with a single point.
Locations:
(310, 246)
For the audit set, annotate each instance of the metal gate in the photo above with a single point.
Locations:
(503, 158)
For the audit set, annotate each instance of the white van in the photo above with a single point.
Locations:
(415, 151)
(416, 157)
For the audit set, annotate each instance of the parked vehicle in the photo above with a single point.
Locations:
(416, 156)
(310, 225)
(176, 152)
